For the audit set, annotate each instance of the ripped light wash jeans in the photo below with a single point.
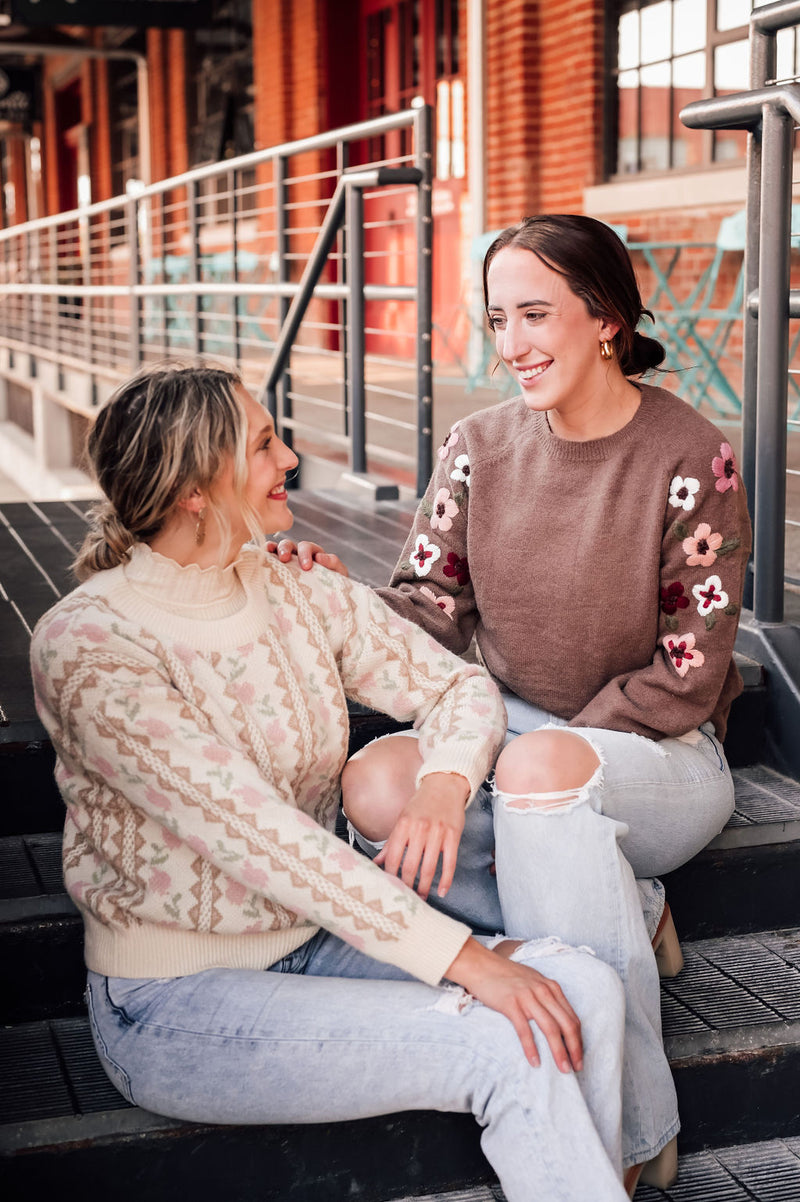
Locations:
(329, 1034)
(570, 872)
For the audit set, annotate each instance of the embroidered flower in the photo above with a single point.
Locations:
(682, 652)
(457, 567)
(682, 492)
(710, 596)
(424, 555)
(444, 510)
(724, 468)
(673, 598)
(461, 470)
(450, 441)
(702, 546)
(445, 603)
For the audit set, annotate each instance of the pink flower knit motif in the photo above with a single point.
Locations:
(682, 652)
(701, 548)
(444, 510)
(724, 468)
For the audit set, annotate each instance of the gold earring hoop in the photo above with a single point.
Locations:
(606, 350)
(200, 528)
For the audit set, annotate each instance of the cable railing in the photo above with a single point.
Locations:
(209, 263)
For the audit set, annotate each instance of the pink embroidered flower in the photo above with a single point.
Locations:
(424, 555)
(682, 492)
(245, 692)
(275, 732)
(724, 468)
(682, 652)
(450, 441)
(155, 798)
(673, 598)
(445, 603)
(461, 470)
(56, 628)
(457, 567)
(710, 596)
(702, 547)
(444, 510)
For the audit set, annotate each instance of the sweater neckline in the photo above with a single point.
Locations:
(192, 592)
(596, 450)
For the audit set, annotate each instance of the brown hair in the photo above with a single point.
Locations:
(597, 267)
(162, 434)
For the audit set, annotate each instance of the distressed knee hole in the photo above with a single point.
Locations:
(541, 802)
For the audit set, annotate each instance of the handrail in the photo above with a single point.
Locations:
(768, 113)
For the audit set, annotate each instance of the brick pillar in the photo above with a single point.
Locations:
(513, 109)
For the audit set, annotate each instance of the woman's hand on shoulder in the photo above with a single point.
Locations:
(307, 555)
(428, 827)
(524, 996)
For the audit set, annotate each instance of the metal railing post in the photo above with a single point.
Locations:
(283, 397)
(132, 218)
(194, 264)
(424, 349)
(236, 339)
(773, 364)
(356, 381)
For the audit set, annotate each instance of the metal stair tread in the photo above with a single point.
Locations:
(759, 1172)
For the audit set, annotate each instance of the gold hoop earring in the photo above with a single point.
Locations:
(606, 350)
(200, 528)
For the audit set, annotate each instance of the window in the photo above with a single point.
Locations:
(666, 53)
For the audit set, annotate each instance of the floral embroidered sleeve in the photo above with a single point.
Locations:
(431, 584)
(388, 663)
(704, 554)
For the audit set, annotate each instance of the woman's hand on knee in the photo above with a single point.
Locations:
(307, 555)
(524, 996)
(428, 828)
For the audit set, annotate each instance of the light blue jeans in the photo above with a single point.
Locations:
(570, 872)
(329, 1034)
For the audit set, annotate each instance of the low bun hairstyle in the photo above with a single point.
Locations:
(597, 267)
(162, 434)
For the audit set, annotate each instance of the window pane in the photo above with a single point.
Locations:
(628, 129)
(732, 13)
(689, 26)
(656, 31)
(688, 82)
(730, 75)
(786, 68)
(731, 68)
(655, 117)
(628, 32)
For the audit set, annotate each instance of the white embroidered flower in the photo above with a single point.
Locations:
(682, 492)
(461, 470)
(424, 555)
(710, 596)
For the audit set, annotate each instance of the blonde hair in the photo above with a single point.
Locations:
(164, 433)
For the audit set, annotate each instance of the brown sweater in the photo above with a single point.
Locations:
(601, 579)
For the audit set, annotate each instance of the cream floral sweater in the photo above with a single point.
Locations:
(200, 724)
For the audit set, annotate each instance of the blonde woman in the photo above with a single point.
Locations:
(245, 965)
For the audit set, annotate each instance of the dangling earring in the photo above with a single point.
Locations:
(606, 350)
(200, 528)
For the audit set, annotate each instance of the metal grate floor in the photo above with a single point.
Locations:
(766, 1172)
(763, 796)
(746, 980)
